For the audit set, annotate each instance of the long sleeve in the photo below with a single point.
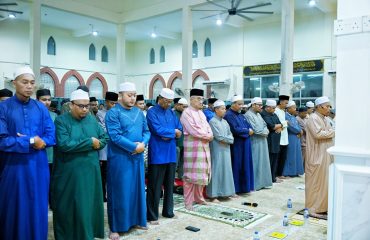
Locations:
(49, 129)
(146, 132)
(258, 127)
(67, 144)
(240, 131)
(315, 127)
(10, 143)
(156, 127)
(115, 132)
(293, 125)
(101, 120)
(193, 128)
(220, 134)
(102, 136)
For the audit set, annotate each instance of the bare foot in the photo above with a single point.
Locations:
(141, 227)
(235, 196)
(114, 236)
(278, 180)
(215, 200)
(202, 203)
(190, 208)
(153, 222)
(318, 215)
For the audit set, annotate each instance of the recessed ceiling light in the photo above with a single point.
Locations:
(219, 22)
(153, 35)
(312, 3)
(95, 33)
(11, 15)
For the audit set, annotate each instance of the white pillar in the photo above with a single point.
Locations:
(287, 46)
(121, 54)
(349, 175)
(187, 43)
(35, 38)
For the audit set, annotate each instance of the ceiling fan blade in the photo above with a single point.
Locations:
(8, 4)
(196, 10)
(216, 4)
(11, 11)
(255, 6)
(218, 14)
(261, 12)
(243, 16)
(232, 3)
(227, 18)
(237, 3)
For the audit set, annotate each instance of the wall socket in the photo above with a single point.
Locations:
(348, 26)
(366, 23)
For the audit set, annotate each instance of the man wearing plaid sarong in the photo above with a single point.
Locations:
(197, 160)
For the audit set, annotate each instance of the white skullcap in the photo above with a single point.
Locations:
(127, 87)
(249, 105)
(290, 104)
(256, 100)
(167, 93)
(321, 100)
(218, 103)
(79, 95)
(23, 70)
(270, 103)
(310, 104)
(237, 98)
(183, 101)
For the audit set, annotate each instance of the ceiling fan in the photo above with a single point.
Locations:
(234, 10)
(8, 10)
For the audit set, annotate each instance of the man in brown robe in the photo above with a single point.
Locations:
(318, 139)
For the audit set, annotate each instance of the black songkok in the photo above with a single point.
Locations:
(283, 97)
(111, 96)
(212, 100)
(84, 88)
(139, 97)
(42, 92)
(176, 100)
(196, 92)
(302, 109)
(93, 99)
(6, 93)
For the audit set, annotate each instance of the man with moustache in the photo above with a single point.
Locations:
(129, 134)
(26, 129)
(76, 182)
(165, 128)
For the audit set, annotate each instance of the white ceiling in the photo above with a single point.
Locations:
(168, 25)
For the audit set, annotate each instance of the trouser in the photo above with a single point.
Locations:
(180, 161)
(158, 175)
(304, 156)
(281, 160)
(103, 172)
(193, 193)
(273, 165)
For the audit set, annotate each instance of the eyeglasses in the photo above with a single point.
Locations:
(82, 106)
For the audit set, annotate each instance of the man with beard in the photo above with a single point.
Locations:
(76, 182)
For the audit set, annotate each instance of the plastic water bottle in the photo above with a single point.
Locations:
(289, 205)
(306, 215)
(256, 236)
(286, 224)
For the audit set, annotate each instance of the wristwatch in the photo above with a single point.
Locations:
(32, 141)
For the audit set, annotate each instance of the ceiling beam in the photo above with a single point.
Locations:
(83, 9)
(157, 9)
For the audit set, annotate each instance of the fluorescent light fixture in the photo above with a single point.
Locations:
(153, 35)
(11, 15)
(219, 22)
(95, 33)
(312, 3)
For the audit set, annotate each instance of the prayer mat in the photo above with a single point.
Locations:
(178, 201)
(229, 215)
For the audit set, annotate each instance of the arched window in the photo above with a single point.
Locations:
(177, 84)
(195, 49)
(96, 89)
(46, 81)
(157, 87)
(70, 85)
(207, 48)
(104, 54)
(92, 54)
(152, 56)
(51, 46)
(162, 55)
(198, 83)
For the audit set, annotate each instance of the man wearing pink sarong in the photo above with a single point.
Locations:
(197, 160)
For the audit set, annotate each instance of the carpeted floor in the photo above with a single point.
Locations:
(270, 201)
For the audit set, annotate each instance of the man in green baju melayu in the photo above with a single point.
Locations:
(77, 197)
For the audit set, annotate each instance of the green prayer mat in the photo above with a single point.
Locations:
(229, 215)
(178, 201)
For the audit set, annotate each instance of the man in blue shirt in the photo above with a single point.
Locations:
(165, 127)
(210, 112)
